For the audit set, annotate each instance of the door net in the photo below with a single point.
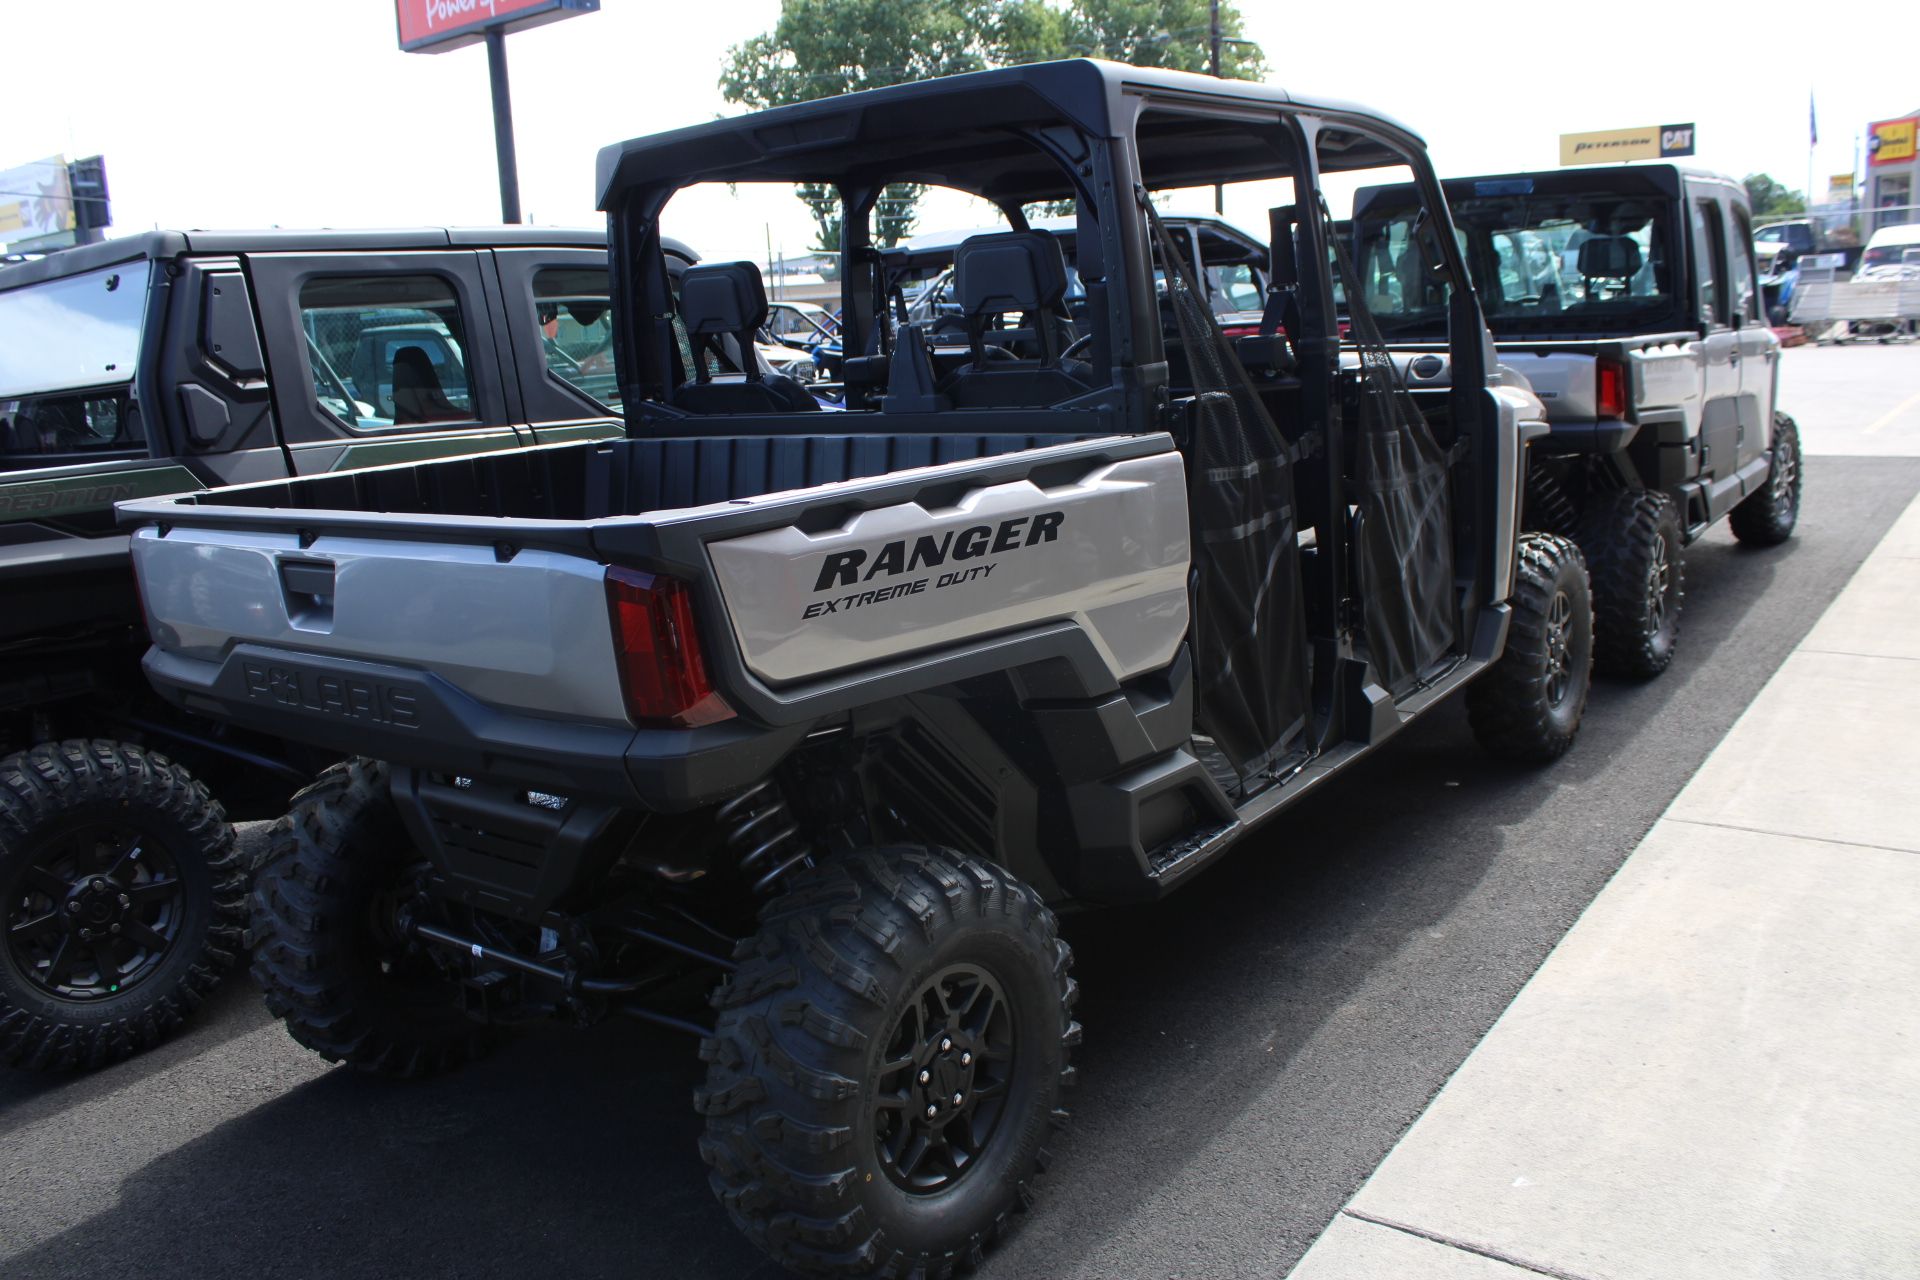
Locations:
(1249, 632)
(1403, 540)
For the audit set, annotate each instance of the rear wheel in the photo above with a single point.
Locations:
(327, 950)
(1766, 518)
(1632, 543)
(122, 899)
(1527, 706)
(886, 1065)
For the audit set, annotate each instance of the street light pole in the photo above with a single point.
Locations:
(503, 125)
(1213, 60)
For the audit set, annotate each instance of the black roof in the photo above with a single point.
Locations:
(172, 244)
(949, 132)
(1666, 181)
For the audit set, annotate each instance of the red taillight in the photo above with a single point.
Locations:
(662, 673)
(1610, 389)
(1239, 330)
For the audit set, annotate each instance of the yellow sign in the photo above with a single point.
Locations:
(1610, 146)
(1892, 141)
(1839, 188)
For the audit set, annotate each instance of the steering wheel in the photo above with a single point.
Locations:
(1077, 346)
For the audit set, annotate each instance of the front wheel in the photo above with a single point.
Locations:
(122, 898)
(1527, 706)
(886, 1064)
(1766, 518)
(1633, 545)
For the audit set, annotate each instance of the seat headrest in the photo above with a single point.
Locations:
(1010, 271)
(722, 298)
(1609, 257)
(413, 368)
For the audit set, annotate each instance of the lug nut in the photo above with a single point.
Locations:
(966, 1059)
(113, 928)
(73, 906)
(85, 934)
(957, 1099)
(125, 901)
(932, 1111)
(99, 885)
(945, 1044)
(925, 1076)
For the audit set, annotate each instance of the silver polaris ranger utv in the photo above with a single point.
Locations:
(1628, 297)
(830, 711)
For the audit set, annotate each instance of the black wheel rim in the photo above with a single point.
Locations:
(1659, 585)
(1559, 649)
(1786, 477)
(95, 912)
(944, 1081)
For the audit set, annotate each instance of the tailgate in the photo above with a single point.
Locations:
(1564, 380)
(527, 634)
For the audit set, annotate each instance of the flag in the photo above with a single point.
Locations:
(1813, 123)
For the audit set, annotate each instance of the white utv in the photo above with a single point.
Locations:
(839, 708)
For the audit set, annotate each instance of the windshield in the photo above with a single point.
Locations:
(1578, 263)
(83, 331)
(1890, 255)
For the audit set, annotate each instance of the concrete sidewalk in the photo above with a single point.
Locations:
(1717, 1072)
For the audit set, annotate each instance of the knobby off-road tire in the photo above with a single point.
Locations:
(1527, 706)
(123, 902)
(878, 987)
(1766, 518)
(1633, 545)
(325, 946)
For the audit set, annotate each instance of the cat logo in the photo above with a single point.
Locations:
(1676, 140)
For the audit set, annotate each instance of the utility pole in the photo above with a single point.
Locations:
(503, 125)
(1213, 61)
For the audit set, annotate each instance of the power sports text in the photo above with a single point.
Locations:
(843, 568)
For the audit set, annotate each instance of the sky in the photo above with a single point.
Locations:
(250, 113)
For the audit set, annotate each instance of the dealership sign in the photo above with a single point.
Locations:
(1892, 141)
(36, 206)
(1652, 142)
(434, 26)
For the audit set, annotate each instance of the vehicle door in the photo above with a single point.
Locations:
(1759, 349)
(1719, 345)
(382, 357)
(558, 341)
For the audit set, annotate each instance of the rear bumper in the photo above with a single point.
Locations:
(1604, 435)
(414, 718)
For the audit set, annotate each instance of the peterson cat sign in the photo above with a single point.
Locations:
(434, 26)
(1653, 142)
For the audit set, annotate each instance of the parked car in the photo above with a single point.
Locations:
(173, 361)
(1659, 375)
(839, 709)
(1779, 245)
(1891, 253)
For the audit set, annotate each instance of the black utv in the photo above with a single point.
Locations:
(175, 361)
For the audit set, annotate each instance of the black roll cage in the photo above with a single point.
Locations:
(981, 133)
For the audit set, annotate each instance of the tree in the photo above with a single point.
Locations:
(820, 48)
(1162, 33)
(1770, 198)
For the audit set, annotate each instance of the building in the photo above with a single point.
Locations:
(1892, 185)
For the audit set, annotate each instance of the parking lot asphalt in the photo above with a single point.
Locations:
(1254, 1045)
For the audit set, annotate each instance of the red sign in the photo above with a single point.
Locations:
(434, 26)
